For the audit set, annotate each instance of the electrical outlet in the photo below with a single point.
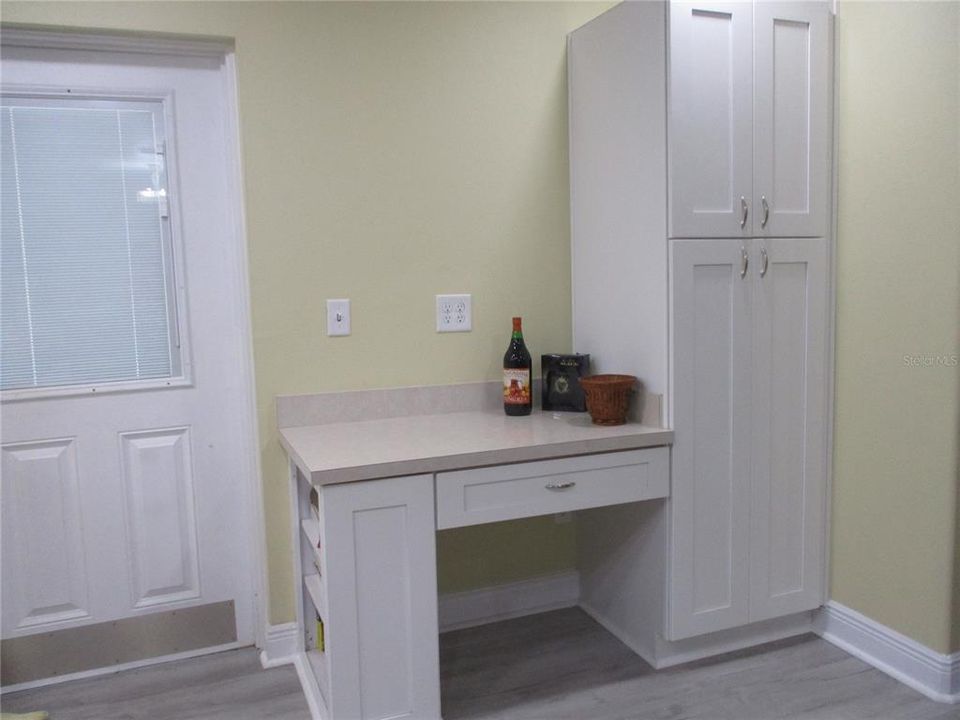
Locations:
(454, 313)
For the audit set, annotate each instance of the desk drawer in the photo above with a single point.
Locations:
(507, 492)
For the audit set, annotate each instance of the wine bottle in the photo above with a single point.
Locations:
(517, 393)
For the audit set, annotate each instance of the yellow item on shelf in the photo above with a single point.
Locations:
(24, 716)
(320, 644)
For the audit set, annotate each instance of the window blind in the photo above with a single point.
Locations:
(85, 268)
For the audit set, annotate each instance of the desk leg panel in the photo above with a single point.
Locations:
(379, 540)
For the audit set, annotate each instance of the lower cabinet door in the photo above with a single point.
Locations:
(789, 426)
(381, 579)
(710, 489)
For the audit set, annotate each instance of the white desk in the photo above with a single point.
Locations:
(385, 487)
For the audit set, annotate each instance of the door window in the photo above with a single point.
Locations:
(87, 294)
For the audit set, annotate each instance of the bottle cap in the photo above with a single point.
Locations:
(516, 324)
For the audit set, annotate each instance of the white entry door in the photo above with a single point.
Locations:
(127, 431)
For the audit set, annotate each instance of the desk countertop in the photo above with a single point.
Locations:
(369, 449)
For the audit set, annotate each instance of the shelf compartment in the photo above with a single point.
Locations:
(317, 596)
(317, 661)
(311, 528)
(311, 531)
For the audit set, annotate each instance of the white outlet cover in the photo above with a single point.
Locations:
(454, 313)
(338, 317)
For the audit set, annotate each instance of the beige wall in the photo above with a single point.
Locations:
(392, 151)
(897, 438)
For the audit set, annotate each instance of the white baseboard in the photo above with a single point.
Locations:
(501, 602)
(279, 646)
(935, 675)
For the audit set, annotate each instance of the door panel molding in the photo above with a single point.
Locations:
(43, 545)
(160, 515)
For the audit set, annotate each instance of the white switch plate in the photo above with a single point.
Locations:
(338, 317)
(454, 313)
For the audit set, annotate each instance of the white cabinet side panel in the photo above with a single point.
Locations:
(617, 85)
(621, 557)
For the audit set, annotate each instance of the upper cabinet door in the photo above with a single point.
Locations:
(710, 116)
(791, 119)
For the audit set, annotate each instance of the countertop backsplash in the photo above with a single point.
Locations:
(381, 403)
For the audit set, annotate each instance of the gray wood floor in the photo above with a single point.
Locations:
(556, 665)
(225, 686)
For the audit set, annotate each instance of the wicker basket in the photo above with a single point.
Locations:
(608, 397)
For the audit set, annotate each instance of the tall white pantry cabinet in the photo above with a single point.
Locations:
(700, 165)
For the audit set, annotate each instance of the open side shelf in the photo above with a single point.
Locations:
(318, 665)
(311, 531)
(315, 591)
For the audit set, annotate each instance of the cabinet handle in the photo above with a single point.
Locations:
(743, 212)
(744, 263)
(766, 262)
(560, 486)
(766, 211)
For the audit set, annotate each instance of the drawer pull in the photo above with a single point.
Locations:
(560, 486)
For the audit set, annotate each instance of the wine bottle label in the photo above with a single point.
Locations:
(516, 386)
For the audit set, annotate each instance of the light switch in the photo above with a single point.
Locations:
(338, 317)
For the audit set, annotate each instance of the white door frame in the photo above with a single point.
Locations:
(222, 48)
